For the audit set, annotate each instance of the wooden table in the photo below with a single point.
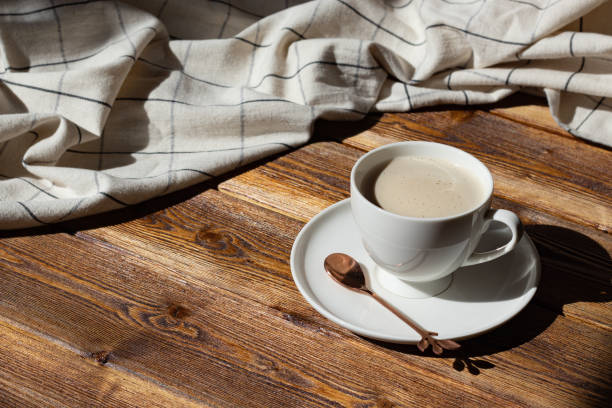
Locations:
(188, 300)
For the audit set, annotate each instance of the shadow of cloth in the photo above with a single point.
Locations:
(327, 130)
(575, 268)
(144, 209)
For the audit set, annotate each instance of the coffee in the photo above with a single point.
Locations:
(425, 187)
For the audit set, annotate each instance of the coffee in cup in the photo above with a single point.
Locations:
(424, 187)
(421, 209)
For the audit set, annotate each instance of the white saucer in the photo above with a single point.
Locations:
(480, 297)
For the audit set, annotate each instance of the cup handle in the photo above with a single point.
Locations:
(513, 222)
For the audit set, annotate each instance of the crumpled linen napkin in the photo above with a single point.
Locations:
(104, 104)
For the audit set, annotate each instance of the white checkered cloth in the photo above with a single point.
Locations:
(106, 104)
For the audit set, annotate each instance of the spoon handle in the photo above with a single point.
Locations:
(427, 338)
(422, 332)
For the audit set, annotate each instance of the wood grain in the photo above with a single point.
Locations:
(300, 184)
(207, 343)
(41, 372)
(529, 110)
(150, 316)
(538, 169)
(576, 255)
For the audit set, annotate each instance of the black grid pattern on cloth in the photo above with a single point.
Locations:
(248, 91)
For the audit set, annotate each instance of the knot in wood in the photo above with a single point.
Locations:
(221, 241)
(178, 311)
(101, 357)
(212, 238)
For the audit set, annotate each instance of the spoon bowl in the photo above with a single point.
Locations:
(345, 270)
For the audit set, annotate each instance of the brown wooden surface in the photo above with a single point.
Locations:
(188, 300)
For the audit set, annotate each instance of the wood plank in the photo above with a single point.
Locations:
(299, 184)
(538, 169)
(536, 116)
(213, 342)
(575, 259)
(136, 312)
(576, 265)
(224, 220)
(221, 348)
(38, 372)
(529, 110)
(279, 174)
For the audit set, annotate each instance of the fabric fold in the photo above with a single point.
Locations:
(105, 104)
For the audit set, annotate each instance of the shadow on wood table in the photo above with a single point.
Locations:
(575, 269)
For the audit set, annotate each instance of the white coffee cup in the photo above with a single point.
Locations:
(417, 256)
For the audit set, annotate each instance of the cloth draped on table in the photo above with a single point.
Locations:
(105, 104)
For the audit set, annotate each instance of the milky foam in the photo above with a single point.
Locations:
(426, 187)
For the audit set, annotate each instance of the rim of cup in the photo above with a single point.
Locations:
(487, 175)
